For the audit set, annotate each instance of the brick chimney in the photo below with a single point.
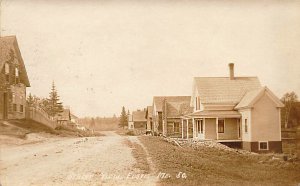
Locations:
(231, 71)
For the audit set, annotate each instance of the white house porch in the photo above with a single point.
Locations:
(223, 126)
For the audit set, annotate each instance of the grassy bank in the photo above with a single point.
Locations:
(211, 166)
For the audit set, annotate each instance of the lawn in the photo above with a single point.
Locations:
(209, 166)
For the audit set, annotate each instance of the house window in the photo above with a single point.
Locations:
(221, 125)
(176, 127)
(6, 68)
(263, 145)
(200, 126)
(17, 75)
(246, 125)
(7, 78)
(21, 108)
(15, 107)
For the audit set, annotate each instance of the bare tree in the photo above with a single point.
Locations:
(288, 99)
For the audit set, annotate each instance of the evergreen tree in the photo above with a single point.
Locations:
(30, 100)
(123, 118)
(54, 106)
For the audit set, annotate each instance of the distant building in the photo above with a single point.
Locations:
(160, 107)
(148, 116)
(64, 118)
(130, 122)
(13, 80)
(139, 120)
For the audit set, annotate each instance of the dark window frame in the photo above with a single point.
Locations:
(263, 145)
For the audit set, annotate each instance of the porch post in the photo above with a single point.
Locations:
(181, 128)
(217, 128)
(193, 121)
(187, 129)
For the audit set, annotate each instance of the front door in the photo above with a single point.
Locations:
(200, 128)
(5, 106)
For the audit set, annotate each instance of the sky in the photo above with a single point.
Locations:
(103, 55)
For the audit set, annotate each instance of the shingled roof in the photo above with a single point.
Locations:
(251, 97)
(138, 116)
(159, 100)
(178, 108)
(221, 90)
(149, 111)
(9, 50)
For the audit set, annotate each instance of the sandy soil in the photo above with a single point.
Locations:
(104, 160)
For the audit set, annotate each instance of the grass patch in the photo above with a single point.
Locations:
(140, 155)
(206, 166)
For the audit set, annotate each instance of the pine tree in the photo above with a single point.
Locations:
(54, 106)
(30, 100)
(123, 118)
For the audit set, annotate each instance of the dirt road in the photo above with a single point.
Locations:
(104, 160)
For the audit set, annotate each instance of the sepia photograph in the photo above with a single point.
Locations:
(151, 92)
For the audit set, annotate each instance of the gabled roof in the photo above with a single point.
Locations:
(149, 111)
(223, 90)
(253, 96)
(64, 116)
(159, 100)
(138, 116)
(179, 108)
(9, 49)
(73, 116)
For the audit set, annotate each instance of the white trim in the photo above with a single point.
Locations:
(193, 121)
(279, 113)
(204, 127)
(187, 129)
(182, 128)
(263, 142)
(217, 128)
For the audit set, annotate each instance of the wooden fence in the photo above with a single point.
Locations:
(39, 115)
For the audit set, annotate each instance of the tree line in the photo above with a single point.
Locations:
(51, 105)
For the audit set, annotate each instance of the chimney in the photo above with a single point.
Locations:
(231, 71)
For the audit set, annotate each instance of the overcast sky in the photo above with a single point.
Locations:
(106, 54)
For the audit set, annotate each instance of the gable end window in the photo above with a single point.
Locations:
(6, 68)
(263, 145)
(221, 125)
(17, 76)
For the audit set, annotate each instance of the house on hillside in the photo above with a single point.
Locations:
(139, 120)
(13, 80)
(167, 109)
(148, 117)
(235, 111)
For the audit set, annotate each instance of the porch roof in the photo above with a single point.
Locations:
(215, 114)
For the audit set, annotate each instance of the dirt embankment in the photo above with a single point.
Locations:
(216, 166)
(19, 132)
